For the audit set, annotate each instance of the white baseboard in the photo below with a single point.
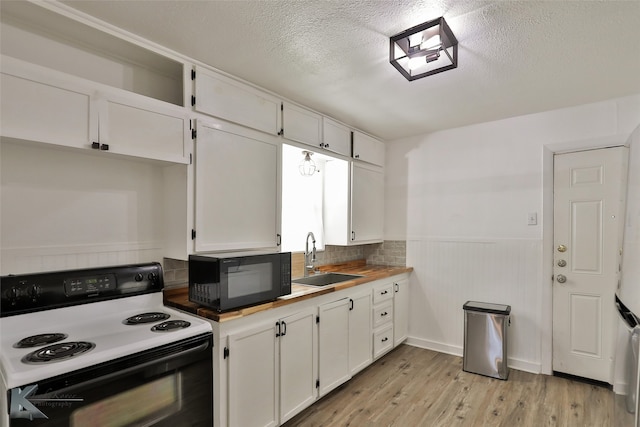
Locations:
(514, 363)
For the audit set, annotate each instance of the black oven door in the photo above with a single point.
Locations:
(170, 385)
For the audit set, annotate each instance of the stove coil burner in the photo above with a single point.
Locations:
(57, 352)
(38, 340)
(151, 317)
(170, 325)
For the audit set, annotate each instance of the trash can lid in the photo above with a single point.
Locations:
(487, 307)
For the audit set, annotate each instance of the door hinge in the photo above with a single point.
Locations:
(193, 74)
(193, 234)
(225, 352)
(193, 101)
(282, 106)
(194, 134)
(317, 319)
(317, 383)
(190, 158)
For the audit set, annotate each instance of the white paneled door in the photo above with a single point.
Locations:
(588, 201)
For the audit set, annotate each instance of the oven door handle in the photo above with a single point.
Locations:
(137, 367)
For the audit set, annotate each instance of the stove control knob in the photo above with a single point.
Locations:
(13, 295)
(152, 277)
(34, 292)
(138, 277)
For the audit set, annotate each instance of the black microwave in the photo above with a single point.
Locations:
(224, 284)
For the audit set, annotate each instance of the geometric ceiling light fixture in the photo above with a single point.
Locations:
(424, 50)
(307, 166)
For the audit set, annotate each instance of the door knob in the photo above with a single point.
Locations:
(562, 248)
(562, 263)
(561, 278)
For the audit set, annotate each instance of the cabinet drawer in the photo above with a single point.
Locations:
(382, 341)
(382, 293)
(382, 314)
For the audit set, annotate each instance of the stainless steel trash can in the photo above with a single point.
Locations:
(485, 339)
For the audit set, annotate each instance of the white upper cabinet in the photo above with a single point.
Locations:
(336, 137)
(367, 204)
(301, 125)
(142, 127)
(237, 187)
(43, 105)
(353, 203)
(368, 149)
(38, 105)
(231, 100)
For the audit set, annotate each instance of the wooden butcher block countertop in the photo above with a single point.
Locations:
(179, 298)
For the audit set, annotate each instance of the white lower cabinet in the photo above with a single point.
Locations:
(382, 315)
(360, 355)
(298, 363)
(400, 311)
(272, 370)
(333, 336)
(382, 340)
(268, 370)
(253, 375)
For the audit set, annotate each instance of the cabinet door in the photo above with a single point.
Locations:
(45, 106)
(298, 363)
(145, 128)
(336, 137)
(253, 377)
(237, 190)
(368, 149)
(400, 311)
(229, 99)
(333, 337)
(360, 355)
(301, 125)
(367, 204)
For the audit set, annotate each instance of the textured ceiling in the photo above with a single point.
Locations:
(514, 58)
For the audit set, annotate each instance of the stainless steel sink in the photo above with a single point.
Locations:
(325, 279)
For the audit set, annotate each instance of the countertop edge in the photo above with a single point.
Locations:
(179, 298)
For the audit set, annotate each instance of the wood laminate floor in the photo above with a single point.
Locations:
(416, 387)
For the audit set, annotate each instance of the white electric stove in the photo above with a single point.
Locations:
(104, 337)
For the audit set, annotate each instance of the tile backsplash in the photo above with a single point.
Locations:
(176, 273)
(390, 252)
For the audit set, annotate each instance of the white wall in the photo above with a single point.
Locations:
(461, 198)
(65, 209)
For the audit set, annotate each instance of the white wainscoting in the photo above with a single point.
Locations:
(36, 259)
(451, 271)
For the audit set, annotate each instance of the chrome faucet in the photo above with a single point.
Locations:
(308, 263)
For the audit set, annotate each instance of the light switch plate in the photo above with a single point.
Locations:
(532, 218)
